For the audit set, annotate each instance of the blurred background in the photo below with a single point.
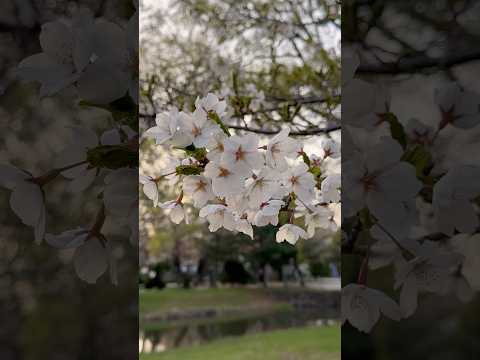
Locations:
(409, 49)
(46, 311)
(221, 295)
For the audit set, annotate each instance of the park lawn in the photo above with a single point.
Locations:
(312, 343)
(163, 301)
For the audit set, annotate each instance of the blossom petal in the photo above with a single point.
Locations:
(26, 202)
(90, 260)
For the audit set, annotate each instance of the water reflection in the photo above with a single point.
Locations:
(166, 338)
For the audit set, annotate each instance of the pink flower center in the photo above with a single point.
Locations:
(223, 173)
(239, 154)
(196, 131)
(201, 186)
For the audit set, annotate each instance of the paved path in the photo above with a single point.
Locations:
(327, 284)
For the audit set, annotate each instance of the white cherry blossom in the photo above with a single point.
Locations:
(331, 149)
(469, 247)
(237, 203)
(241, 152)
(372, 181)
(150, 188)
(27, 198)
(290, 233)
(280, 147)
(108, 53)
(218, 216)
(300, 181)
(362, 307)
(97, 56)
(458, 108)
(69, 239)
(200, 128)
(171, 129)
(91, 255)
(225, 180)
(242, 225)
(268, 213)
(384, 251)
(211, 103)
(216, 147)
(54, 68)
(419, 133)
(457, 190)
(428, 271)
(199, 188)
(262, 187)
(321, 217)
(330, 188)
(91, 260)
(239, 184)
(83, 140)
(175, 211)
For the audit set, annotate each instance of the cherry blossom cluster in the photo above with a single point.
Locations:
(96, 57)
(98, 60)
(416, 207)
(237, 182)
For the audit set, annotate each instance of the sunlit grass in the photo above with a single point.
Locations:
(162, 301)
(313, 343)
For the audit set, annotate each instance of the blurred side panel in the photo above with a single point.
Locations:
(410, 179)
(68, 179)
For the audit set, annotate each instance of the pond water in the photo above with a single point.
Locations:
(166, 338)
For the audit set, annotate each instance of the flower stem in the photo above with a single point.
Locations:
(306, 207)
(362, 275)
(157, 179)
(180, 198)
(68, 167)
(96, 229)
(52, 174)
(405, 252)
(212, 115)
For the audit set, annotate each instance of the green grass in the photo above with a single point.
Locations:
(313, 343)
(162, 301)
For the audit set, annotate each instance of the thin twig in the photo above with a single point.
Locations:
(314, 131)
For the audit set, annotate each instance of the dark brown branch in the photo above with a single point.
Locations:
(300, 101)
(420, 63)
(314, 131)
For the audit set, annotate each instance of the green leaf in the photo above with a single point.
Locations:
(306, 159)
(366, 219)
(188, 170)
(213, 115)
(112, 157)
(419, 157)
(199, 154)
(316, 171)
(396, 129)
(124, 110)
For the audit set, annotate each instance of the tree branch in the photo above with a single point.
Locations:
(314, 131)
(412, 65)
(293, 102)
(307, 132)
